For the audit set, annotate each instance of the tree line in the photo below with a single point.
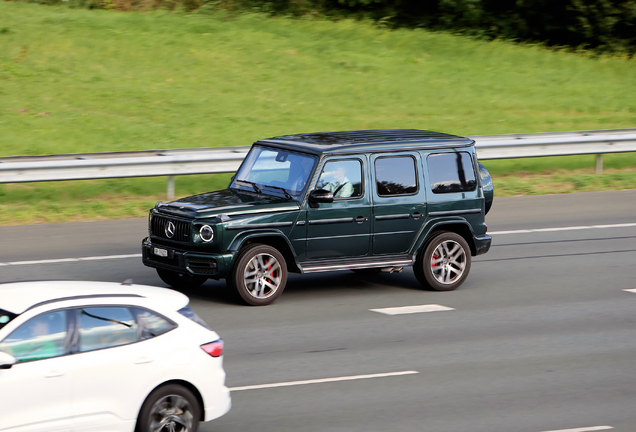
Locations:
(593, 25)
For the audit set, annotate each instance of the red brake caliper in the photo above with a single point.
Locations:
(434, 258)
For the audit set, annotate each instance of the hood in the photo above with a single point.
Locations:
(226, 202)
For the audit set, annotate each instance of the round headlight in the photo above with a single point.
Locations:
(206, 233)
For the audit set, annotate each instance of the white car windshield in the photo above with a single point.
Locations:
(275, 171)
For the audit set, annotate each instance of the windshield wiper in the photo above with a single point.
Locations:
(256, 188)
(287, 195)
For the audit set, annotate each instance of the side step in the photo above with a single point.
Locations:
(395, 264)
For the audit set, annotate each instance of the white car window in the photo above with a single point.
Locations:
(104, 327)
(153, 324)
(41, 337)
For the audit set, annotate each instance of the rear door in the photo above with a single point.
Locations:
(399, 201)
(116, 366)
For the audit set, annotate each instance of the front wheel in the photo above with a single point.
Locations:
(171, 408)
(181, 281)
(444, 263)
(259, 275)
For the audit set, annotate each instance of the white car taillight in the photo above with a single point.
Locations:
(215, 349)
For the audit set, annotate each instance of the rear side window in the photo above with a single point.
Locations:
(105, 327)
(395, 176)
(190, 314)
(451, 172)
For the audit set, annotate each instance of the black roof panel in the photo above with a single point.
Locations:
(365, 137)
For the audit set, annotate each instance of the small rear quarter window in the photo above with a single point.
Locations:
(451, 172)
(192, 315)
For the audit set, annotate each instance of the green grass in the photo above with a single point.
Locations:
(75, 80)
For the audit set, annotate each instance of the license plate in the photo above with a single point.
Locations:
(160, 252)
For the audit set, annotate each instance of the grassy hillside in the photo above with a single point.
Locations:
(85, 81)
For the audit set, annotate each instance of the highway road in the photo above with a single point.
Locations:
(539, 338)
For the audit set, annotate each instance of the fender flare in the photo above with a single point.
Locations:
(253, 235)
(465, 231)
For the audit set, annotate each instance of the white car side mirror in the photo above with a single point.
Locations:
(6, 360)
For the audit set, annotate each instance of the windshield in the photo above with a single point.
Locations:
(5, 317)
(274, 171)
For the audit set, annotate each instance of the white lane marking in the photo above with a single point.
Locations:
(572, 228)
(412, 309)
(631, 290)
(63, 260)
(583, 429)
(322, 380)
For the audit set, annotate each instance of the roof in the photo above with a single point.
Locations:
(17, 297)
(368, 140)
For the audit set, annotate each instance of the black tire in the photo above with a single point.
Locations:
(180, 281)
(444, 262)
(259, 275)
(173, 404)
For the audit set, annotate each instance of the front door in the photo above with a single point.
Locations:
(35, 393)
(340, 229)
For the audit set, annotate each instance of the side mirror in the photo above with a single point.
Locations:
(320, 196)
(6, 360)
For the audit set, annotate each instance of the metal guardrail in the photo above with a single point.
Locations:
(86, 166)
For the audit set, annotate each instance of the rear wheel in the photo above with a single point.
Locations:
(444, 263)
(171, 408)
(259, 275)
(180, 280)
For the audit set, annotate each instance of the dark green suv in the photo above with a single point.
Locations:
(374, 200)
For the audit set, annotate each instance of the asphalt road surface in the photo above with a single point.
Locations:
(541, 336)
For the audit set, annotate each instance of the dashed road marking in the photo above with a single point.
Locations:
(412, 309)
(63, 260)
(583, 429)
(571, 228)
(631, 290)
(322, 380)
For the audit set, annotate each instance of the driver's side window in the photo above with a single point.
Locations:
(343, 178)
(39, 338)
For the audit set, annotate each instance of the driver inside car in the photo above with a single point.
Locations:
(340, 186)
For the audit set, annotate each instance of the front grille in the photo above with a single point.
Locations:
(202, 265)
(181, 228)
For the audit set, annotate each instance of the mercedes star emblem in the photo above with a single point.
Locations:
(170, 228)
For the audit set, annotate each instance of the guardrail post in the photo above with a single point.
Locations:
(599, 163)
(170, 188)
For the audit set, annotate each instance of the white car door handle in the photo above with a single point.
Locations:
(143, 359)
(53, 374)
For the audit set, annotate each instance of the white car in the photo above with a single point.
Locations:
(99, 356)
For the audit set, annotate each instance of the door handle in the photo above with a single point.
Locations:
(143, 360)
(417, 215)
(53, 374)
(361, 219)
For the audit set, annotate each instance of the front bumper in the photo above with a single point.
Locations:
(212, 265)
(482, 244)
